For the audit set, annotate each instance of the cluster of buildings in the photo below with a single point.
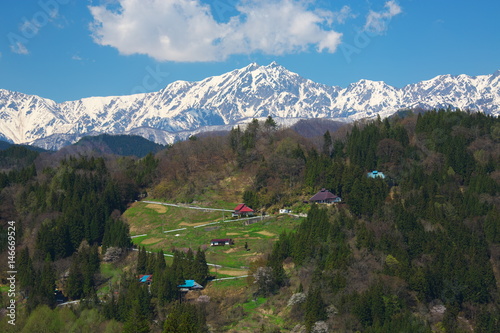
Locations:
(324, 196)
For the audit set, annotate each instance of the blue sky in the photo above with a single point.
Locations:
(70, 49)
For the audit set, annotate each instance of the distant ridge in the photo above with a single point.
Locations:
(16, 157)
(310, 128)
(124, 145)
(4, 145)
(218, 103)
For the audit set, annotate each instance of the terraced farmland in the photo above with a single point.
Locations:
(169, 227)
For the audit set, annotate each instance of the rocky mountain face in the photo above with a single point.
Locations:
(217, 103)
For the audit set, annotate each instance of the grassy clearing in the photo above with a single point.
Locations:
(253, 304)
(149, 219)
(233, 283)
(258, 311)
(259, 237)
(111, 274)
(109, 271)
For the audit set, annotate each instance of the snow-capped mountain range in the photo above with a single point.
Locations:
(184, 108)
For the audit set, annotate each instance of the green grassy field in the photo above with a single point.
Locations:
(154, 219)
(233, 283)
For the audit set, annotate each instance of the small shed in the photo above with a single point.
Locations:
(60, 298)
(190, 285)
(325, 196)
(221, 242)
(242, 210)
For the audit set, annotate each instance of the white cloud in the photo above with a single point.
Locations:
(344, 14)
(19, 48)
(377, 22)
(185, 30)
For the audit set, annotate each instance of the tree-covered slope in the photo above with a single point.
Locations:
(416, 251)
(124, 145)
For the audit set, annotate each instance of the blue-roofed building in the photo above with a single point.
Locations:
(376, 174)
(146, 279)
(190, 285)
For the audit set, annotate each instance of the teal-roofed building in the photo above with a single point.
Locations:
(190, 285)
(376, 174)
(146, 279)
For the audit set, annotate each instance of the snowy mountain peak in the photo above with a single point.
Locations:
(219, 102)
(251, 67)
(274, 64)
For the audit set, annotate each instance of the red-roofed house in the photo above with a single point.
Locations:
(242, 210)
(325, 196)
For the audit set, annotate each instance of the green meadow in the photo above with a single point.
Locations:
(167, 228)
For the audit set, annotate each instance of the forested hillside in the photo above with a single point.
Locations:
(125, 145)
(416, 251)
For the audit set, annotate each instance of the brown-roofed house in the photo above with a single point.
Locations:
(325, 196)
(219, 242)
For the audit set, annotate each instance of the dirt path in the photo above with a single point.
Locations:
(188, 206)
(266, 233)
(158, 208)
(230, 272)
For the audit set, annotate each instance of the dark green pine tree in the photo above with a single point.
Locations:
(327, 143)
(160, 264)
(313, 170)
(142, 260)
(356, 197)
(235, 139)
(189, 266)
(177, 268)
(171, 324)
(315, 308)
(151, 262)
(26, 272)
(90, 266)
(185, 318)
(47, 283)
(109, 308)
(44, 287)
(279, 278)
(251, 198)
(492, 226)
(74, 284)
(136, 322)
(201, 270)
(116, 233)
(164, 287)
(270, 123)
(144, 298)
(85, 264)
